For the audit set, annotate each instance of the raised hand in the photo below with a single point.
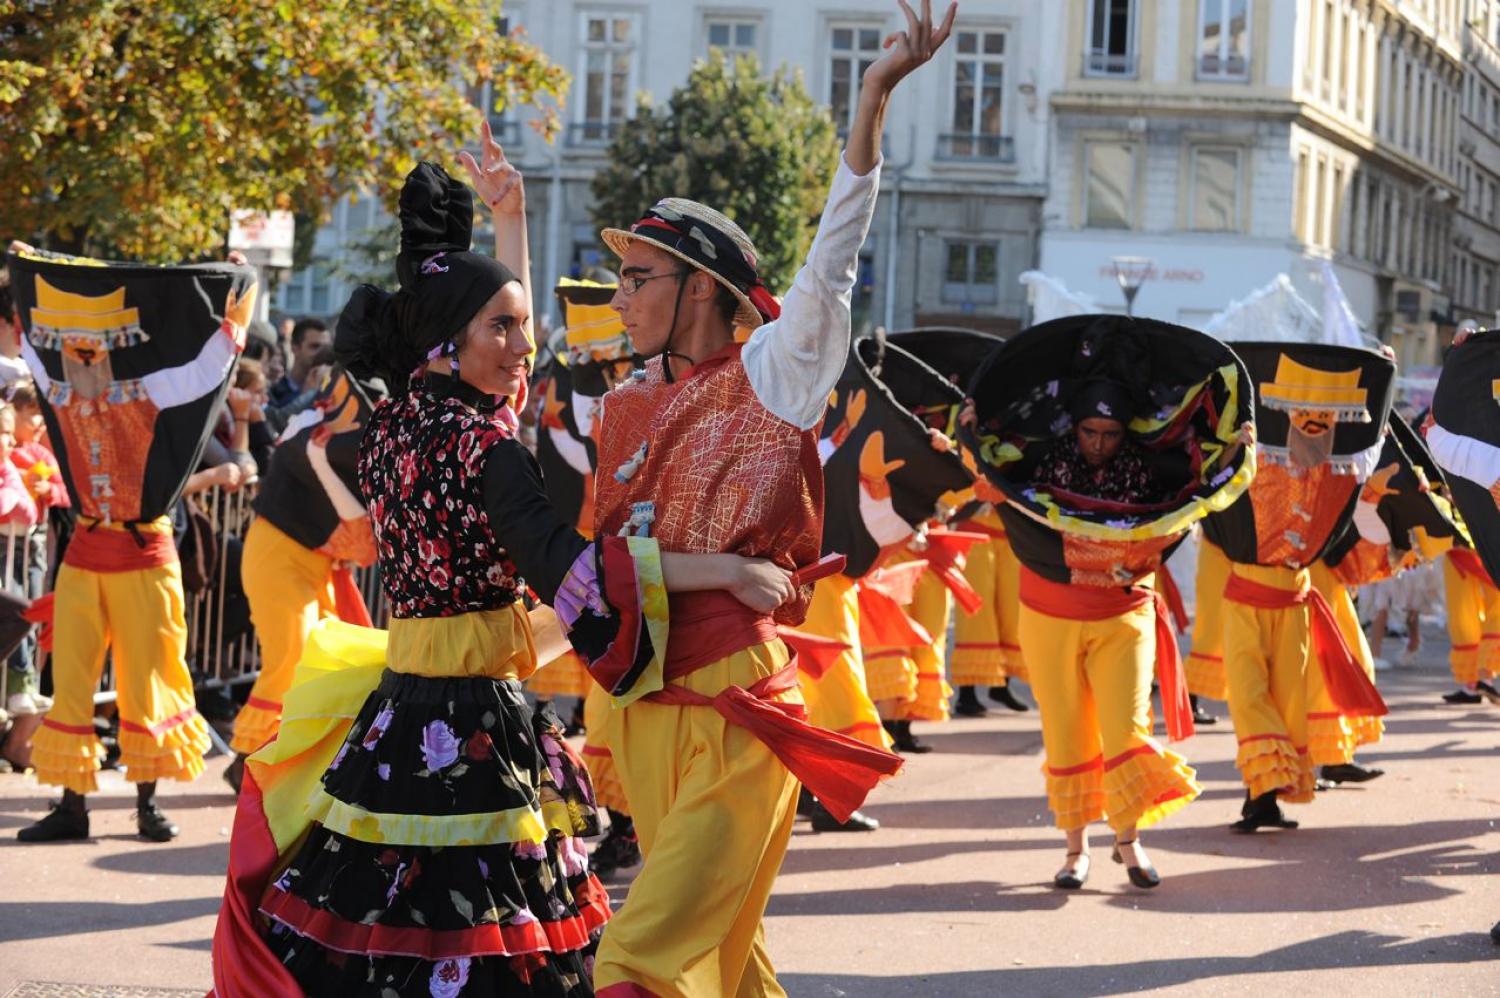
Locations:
(496, 180)
(906, 50)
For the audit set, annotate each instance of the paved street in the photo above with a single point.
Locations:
(1388, 889)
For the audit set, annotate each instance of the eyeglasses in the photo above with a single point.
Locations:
(630, 285)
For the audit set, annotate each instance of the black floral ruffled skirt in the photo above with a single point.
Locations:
(447, 859)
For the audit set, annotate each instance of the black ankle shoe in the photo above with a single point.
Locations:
(1144, 877)
(905, 740)
(1071, 880)
(1488, 691)
(1350, 773)
(822, 821)
(968, 704)
(1200, 714)
(60, 825)
(1261, 812)
(617, 851)
(1003, 696)
(152, 824)
(1462, 696)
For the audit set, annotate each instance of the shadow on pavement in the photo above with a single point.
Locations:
(50, 919)
(950, 897)
(208, 860)
(1344, 949)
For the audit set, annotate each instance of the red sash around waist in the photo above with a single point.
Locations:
(106, 549)
(1069, 602)
(840, 771)
(1466, 561)
(1348, 687)
(707, 626)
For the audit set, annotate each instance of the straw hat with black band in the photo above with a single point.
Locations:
(705, 240)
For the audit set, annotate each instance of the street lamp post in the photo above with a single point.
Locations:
(1131, 272)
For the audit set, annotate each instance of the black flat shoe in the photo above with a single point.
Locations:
(1462, 696)
(153, 825)
(1200, 715)
(1350, 773)
(1488, 690)
(822, 821)
(59, 825)
(1003, 696)
(1261, 812)
(615, 852)
(1144, 877)
(1071, 880)
(968, 704)
(905, 741)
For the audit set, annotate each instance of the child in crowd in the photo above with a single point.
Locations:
(18, 516)
(32, 460)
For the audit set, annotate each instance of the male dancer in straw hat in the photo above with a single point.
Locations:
(715, 449)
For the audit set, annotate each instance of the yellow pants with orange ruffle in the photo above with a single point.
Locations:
(136, 618)
(290, 588)
(1473, 626)
(713, 808)
(1266, 661)
(931, 606)
(839, 700)
(1205, 663)
(986, 646)
(596, 754)
(1092, 683)
(1331, 736)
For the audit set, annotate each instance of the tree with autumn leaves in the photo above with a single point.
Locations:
(757, 148)
(132, 128)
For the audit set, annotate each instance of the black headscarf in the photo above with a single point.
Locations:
(443, 284)
(1101, 398)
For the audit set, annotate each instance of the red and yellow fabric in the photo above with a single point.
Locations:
(290, 588)
(931, 607)
(126, 604)
(889, 638)
(1205, 662)
(1473, 617)
(596, 754)
(839, 699)
(1333, 736)
(1265, 661)
(986, 649)
(1094, 652)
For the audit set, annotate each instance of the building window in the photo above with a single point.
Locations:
(607, 73)
(1109, 197)
(734, 36)
(972, 273)
(1111, 42)
(978, 99)
(483, 96)
(1216, 189)
(1224, 39)
(853, 49)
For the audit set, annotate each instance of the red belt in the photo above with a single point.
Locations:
(1348, 686)
(1069, 602)
(840, 771)
(104, 549)
(707, 626)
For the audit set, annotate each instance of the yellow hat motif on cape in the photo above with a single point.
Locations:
(104, 320)
(1299, 387)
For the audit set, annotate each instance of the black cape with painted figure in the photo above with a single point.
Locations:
(1340, 398)
(292, 497)
(567, 456)
(883, 477)
(1411, 506)
(121, 322)
(1187, 400)
(1467, 403)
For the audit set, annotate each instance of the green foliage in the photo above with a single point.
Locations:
(759, 149)
(131, 128)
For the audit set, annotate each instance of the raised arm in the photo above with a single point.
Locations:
(794, 361)
(500, 187)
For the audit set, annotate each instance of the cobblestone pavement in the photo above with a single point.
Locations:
(1387, 889)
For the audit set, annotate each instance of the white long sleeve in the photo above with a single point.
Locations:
(1465, 457)
(793, 362)
(195, 379)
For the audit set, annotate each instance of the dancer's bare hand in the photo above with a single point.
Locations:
(494, 177)
(909, 49)
(761, 585)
